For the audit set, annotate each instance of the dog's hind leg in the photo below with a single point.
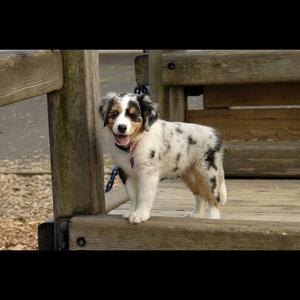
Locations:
(222, 187)
(200, 202)
(199, 208)
(208, 182)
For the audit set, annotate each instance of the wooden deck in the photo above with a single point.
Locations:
(255, 199)
(259, 215)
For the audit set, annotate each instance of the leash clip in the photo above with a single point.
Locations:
(110, 183)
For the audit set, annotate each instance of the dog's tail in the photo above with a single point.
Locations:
(222, 188)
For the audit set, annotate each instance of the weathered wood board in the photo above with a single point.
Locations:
(277, 159)
(115, 198)
(163, 233)
(248, 199)
(258, 215)
(247, 124)
(26, 74)
(207, 67)
(76, 154)
(218, 96)
(177, 104)
(141, 69)
(158, 93)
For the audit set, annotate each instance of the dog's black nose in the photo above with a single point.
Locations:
(122, 128)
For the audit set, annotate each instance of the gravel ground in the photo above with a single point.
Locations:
(26, 201)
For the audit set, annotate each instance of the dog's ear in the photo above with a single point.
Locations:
(106, 103)
(149, 110)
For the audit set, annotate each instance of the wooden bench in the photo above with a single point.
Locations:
(81, 210)
(234, 84)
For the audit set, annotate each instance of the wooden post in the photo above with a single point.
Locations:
(158, 93)
(74, 125)
(177, 103)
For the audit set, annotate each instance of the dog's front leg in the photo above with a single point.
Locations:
(147, 186)
(131, 188)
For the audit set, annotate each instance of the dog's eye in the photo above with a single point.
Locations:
(114, 114)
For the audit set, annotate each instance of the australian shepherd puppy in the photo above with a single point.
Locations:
(147, 149)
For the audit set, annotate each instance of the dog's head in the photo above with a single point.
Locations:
(127, 115)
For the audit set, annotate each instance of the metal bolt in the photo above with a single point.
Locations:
(171, 66)
(63, 226)
(81, 241)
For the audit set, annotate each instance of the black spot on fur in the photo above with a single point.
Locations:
(218, 198)
(175, 169)
(122, 175)
(191, 140)
(159, 157)
(213, 182)
(152, 154)
(210, 159)
(168, 147)
(210, 154)
(149, 111)
(179, 130)
(219, 140)
(178, 157)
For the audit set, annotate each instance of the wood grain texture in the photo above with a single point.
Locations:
(141, 68)
(177, 104)
(248, 199)
(158, 93)
(247, 124)
(277, 159)
(207, 67)
(163, 233)
(26, 74)
(217, 96)
(76, 154)
(115, 198)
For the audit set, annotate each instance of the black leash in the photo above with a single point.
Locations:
(110, 183)
(139, 89)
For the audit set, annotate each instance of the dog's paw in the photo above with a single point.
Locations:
(126, 214)
(192, 214)
(137, 217)
(214, 213)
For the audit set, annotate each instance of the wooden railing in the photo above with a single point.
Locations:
(246, 80)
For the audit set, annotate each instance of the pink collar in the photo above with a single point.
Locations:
(133, 145)
(132, 149)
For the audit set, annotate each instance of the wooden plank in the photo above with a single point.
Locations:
(207, 67)
(217, 96)
(248, 199)
(158, 93)
(115, 198)
(76, 154)
(163, 233)
(247, 124)
(277, 159)
(26, 74)
(177, 104)
(141, 68)
(271, 216)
